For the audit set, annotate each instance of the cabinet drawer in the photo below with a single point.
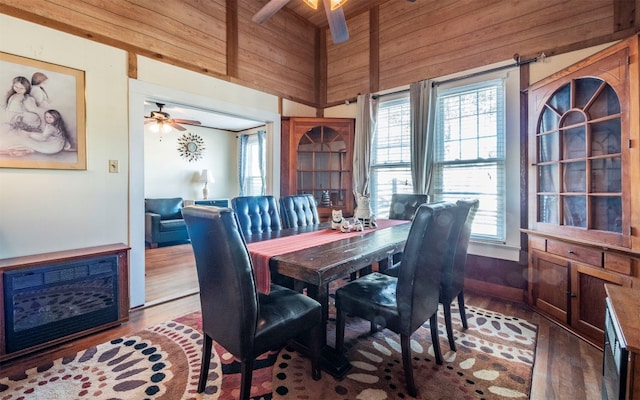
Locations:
(537, 243)
(574, 252)
(617, 263)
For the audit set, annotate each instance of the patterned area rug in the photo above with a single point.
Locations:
(494, 361)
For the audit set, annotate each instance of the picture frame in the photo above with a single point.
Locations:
(42, 116)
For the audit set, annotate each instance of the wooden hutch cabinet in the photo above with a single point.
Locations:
(317, 158)
(584, 170)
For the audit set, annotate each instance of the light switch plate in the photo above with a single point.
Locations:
(113, 166)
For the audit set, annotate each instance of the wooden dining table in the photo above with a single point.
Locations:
(316, 266)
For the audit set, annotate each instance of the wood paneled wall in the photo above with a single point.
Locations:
(392, 44)
(432, 38)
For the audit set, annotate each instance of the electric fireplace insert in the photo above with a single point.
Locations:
(44, 303)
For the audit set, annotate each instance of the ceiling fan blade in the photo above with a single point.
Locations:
(337, 23)
(177, 127)
(186, 121)
(268, 10)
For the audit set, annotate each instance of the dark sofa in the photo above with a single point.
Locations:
(163, 222)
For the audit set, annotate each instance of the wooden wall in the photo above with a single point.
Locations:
(392, 44)
(432, 38)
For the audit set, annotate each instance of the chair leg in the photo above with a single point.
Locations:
(463, 313)
(339, 330)
(405, 343)
(246, 370)
(206, 358)
(449, 325)
(435, 338)
(315, 340)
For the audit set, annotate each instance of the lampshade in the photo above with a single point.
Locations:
(337, 3)
(205, 176)
(312, 3)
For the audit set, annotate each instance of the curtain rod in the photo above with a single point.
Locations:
(518, 63)
(516, 57)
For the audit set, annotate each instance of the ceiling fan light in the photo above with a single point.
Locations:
(312, 3)
(166, 128)
(155, 128)
(337, 3)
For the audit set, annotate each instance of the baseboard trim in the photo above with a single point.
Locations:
(493, 290)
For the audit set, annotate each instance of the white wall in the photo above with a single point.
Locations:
(49, 210)
(167, 174)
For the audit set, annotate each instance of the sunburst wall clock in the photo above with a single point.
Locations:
(190, 146)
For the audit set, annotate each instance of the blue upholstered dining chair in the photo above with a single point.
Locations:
(298, 210)
(452, 282)
(257, 214)
(404, 303)
(404, 205)
(246, 323)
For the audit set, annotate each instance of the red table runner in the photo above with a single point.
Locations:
(261, 252)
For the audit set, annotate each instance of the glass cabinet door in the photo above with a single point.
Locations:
(579, 157)
(322, 165)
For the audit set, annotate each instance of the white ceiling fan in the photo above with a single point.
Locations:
(333, 9)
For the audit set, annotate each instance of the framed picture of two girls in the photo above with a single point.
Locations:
(42, 116)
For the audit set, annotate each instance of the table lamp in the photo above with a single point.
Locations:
(205, 177)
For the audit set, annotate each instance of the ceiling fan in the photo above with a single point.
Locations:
(333, 9)
(163, 121)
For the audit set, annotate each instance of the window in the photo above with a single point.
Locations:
(477, 155)
(391, 155)
(252, 185)
(470, 152)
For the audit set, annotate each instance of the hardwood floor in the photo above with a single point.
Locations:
(169, 273)
(566, 367)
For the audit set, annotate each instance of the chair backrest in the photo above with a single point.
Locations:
(228, 295)
(298, 210)
(453, 277)
(418, 287)
(404, 206)
(168, 208)
(257, 214)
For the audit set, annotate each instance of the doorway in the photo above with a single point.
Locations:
(139, 92)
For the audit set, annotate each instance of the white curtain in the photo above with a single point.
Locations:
(366, 120)
(422, 98)
(242, 157)
(262, 137)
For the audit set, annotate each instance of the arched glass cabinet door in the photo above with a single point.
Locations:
(579, 157)
(322, 166)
